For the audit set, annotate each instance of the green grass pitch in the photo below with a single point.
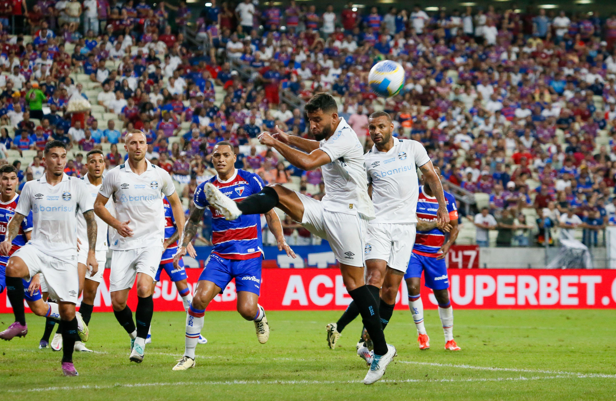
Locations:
(558, 354)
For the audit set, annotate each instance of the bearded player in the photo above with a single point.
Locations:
(237, 253)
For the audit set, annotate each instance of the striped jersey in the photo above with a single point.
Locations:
(7, 211)
(428, 243)
(238, 239)
(170, 229)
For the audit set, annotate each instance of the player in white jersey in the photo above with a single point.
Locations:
(88, 283)
(391, 166)
(54, 199)
(137, 234)
(341, 217)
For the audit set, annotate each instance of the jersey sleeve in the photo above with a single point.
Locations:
(84, 199)
(338, 145)
(420, 154)
(26, 224)
(199, 197)
(167, 187)
(108, 187)
(452, 208)
(24, 205)
(256, 183)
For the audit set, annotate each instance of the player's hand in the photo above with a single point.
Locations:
(178, 256)
(266, 139)
(447, 228)
(124, 230)
(442, 217)
(5, 247)
(192, 252)
(281, 135)
(92, 263)
(444, 249)
(35, 285)
(78, 245)
(282, 245)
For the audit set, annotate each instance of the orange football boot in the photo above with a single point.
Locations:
(424, 342)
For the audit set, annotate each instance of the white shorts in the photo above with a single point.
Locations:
(101, 258)
(392, 243)
(61, 278)
(344, 232)
(126, 264)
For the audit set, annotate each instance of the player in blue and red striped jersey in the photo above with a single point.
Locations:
(237, 253)
(8, 203)
(177, 275)
(428, 257)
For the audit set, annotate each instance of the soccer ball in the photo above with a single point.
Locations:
(386, 78)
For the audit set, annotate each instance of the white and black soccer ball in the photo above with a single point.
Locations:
(386, 78)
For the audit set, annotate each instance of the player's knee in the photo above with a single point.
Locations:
(117, 303)
(442, 297)
(88, 296)
(388, 294)
(67, 311)
(199, 302)
(248, 312)
(38, 308)
(413, 289)
(375, 278)
(144, 290)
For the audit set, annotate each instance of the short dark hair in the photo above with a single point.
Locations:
(95, 152)
(321, 101)
(54, 144)
(15, 163)
(378, 114)
(7, 169)
(226, 143)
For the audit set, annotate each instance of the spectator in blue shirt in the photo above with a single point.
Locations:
(111, 134)
(541, 24)
(593, 224)
(97, 133)
(251, 128)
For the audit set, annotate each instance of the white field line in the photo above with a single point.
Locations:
(284, 382)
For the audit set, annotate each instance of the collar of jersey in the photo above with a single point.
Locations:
(127, 166)
(425, 194)
(44, 178)
(396, 141)
(9, 202)
(229, 180)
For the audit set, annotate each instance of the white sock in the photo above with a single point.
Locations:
(187, 300)
(446, 315)
(417, 311)
(140, 341)
(53, 312)
(260, 313)
(194, 323)
(133, 335)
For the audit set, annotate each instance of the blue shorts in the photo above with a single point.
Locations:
(220, 271)
(435, 271)
(173, 273)
(32, 298)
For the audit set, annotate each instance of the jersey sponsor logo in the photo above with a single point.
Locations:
(137, 198)
(53, 198)
(140, 186)
(251, 278)
(66, 196)
(443, 277)
(367, 249)
(349, 255)
(389, 160)
(39, 196)
(124, 186)
(154, 184)
(377, 175)
(402, 155)
(42, 208)
(239, 190)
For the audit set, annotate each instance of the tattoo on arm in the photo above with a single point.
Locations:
(174, 237)
(424, 225)
(192, 225)
(91, 228)
(14, 225)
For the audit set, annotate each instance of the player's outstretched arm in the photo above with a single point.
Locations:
(437, 190)
(178, 211)
(305, 161)
(275, 226)
(91, 229)
(12, 231)
(188, 234)
(306, 145)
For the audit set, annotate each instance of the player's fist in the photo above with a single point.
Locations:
(266, 139)
(281, 135)
(92, 263)
(442, 217)
(124, 230)
(5, 247)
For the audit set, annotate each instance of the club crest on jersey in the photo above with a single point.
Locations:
(368, 249)
(239, 191)
(66, 196)
(402, 156)
(154, 184)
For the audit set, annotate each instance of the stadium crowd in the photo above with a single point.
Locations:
(516, 108)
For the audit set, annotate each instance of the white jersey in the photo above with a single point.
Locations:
(345, 177)
(82, 228)
(393, 176)
(138, 199)
(54, 214)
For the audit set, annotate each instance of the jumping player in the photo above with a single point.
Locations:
(237, 253)
(8, 204)
(178, 276)
(55, 200)
(429, 257)
(391, 165)
(342, 215)
(137, 188)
